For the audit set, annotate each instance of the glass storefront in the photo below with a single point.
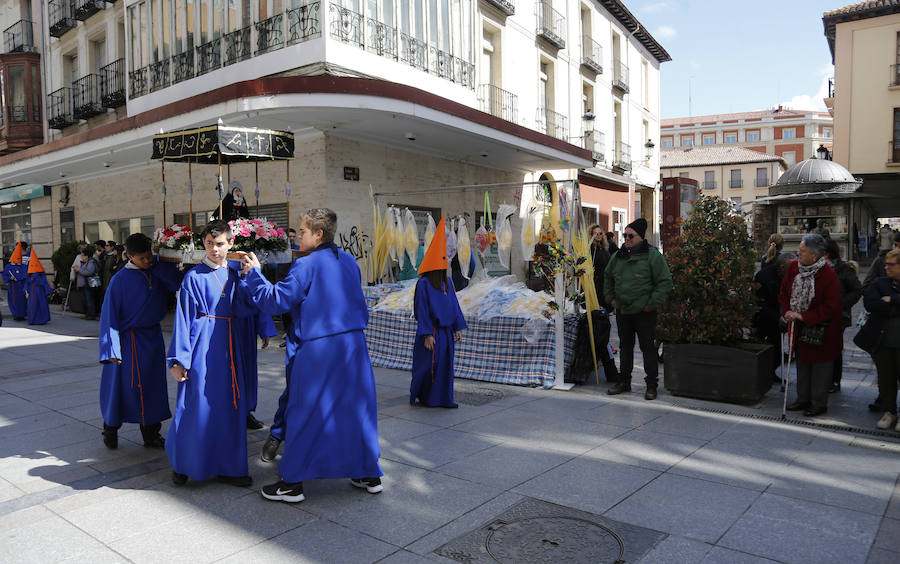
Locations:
(15, 225)
(118, 229)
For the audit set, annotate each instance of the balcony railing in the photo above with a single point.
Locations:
(381, 38)
(595, 142)
(209, 56)
(498, 102)
(19, 37)
(83, 9)
(895, 75)
(709, 184)
(623, 156)
(620, 76)
(894, 152)
(735, 183)
(303, 23)
(86, 97)
(112, 84)
(182, 66)
(137, 83)
(159, 75)
(413, 52)
(59, 109)
(553, 124)
(237, 45)
(60, 17)
(591, 54)
(551, 25)
(506, 7)
(269, 35)
(346, 25)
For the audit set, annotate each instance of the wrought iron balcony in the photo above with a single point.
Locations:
(59, 109)
(553, 123)
(381, 38)
(465, 74)
(895, 75)
(182, 66)
(709, 184)
(269, 35)
(413, 52)
(620, 76)
(86, 97)
(137, 83)
(551, 25)
(441, 64)
(595, 142)
(623, 156)
(735, 183)
(237, 45)
(60, 18)
(83, 9)
(346, 25)
(112, 84)
(19, 37)
(498, 102)
(209, 56)
(591, 54)
(159, 75)
(506, 7)
(303, 23)
(894, 151)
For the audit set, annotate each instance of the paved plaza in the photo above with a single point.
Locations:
(515, 474)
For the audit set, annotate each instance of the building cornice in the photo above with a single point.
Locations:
(854, 12)
(617, 9)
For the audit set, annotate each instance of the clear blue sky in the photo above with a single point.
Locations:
(739, 56)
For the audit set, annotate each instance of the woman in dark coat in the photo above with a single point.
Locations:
(881, 336)
(851, 292)
(810, 298)
(234, 205)
(600, 258)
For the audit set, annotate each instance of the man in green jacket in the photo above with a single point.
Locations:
(636, 283)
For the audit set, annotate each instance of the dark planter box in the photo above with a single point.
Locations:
(741, 374)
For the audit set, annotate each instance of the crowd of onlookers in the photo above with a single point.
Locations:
(92, 270)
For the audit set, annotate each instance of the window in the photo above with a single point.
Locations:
(15, 225)
(709, 180)
(687, 141)
(118, 229)
(762, 178)
(666, 142)
(709, 138)
(790, 157)
(67, 225)
(736, 202)
(591, 215)
(683, 175)
(826, 132)
(753, 135)
(731, 136)
(736, 181)
(789, 133)
(895, 145)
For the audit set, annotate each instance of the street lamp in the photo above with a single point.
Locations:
(649, 145)
(823, 153)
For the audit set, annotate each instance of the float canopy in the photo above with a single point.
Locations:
(234, 145)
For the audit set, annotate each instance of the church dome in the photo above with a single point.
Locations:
(815, 175)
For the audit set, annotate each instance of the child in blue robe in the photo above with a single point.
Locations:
(15, 276)
(38, 292)
(208, 436)
(133, 387)
(439, 322)
(331, 420)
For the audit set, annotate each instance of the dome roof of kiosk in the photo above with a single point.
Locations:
(815, 175)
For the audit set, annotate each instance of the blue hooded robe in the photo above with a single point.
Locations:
(208, 435)
(15, 277)
(331, 418)
(38, 291)
(135, 304)
(437, 314)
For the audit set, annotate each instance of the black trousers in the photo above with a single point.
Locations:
(643, 325)
(813, 381)
(887, 363)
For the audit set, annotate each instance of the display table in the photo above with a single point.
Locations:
(492, 350)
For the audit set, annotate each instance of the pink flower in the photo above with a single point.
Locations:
(279, 232)
(244, 232)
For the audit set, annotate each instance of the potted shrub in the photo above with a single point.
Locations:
(62, 260)
(706, 320)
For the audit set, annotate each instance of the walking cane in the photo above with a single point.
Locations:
(68, 292)
(786, 376)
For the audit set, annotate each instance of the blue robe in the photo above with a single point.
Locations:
(136, 302)
(15, 277)
(331, 420)
(438, 314)
(208, 436)
(38, 291)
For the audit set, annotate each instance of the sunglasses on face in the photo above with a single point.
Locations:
(629, 235)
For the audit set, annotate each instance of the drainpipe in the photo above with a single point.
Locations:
(44, 63)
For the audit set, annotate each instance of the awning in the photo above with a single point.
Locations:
(23, 192)
(235, 144)
(817, 196)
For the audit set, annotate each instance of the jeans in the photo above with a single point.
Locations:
(887, 363)
(813, 382)
(90, 303)
(644, 325)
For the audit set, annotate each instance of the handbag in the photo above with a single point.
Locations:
(814, 335)
(94, 281)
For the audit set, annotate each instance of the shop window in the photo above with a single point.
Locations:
(118, 229)
(67, 225)
(15, 225)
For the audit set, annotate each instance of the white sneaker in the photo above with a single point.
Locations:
(887, 421)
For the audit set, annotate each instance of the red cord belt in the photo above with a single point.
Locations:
(235, 392)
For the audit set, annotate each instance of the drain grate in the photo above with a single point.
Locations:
(540, 532)
(470, 394)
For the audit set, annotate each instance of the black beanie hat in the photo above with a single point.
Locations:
(639, 225)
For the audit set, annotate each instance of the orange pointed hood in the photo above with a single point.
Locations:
(436, 255)
(16, 257)
(34, 265)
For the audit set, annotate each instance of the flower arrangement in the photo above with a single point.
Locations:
(177, 237)
(258, 234)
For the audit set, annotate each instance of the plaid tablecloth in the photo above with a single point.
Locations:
(492, 350)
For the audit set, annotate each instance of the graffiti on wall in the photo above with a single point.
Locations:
(354, 242)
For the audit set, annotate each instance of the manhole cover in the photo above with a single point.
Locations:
(553, 539)
(477, 396)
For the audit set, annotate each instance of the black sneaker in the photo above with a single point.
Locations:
(372, 485)
(254, 423)
(284, 491)
(239, 481)
(110, 437)
(619, 388)
(270, 449)
(179, 479)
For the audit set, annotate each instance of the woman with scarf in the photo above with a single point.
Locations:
(811, 301)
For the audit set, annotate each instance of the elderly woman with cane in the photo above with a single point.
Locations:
(811, 301)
